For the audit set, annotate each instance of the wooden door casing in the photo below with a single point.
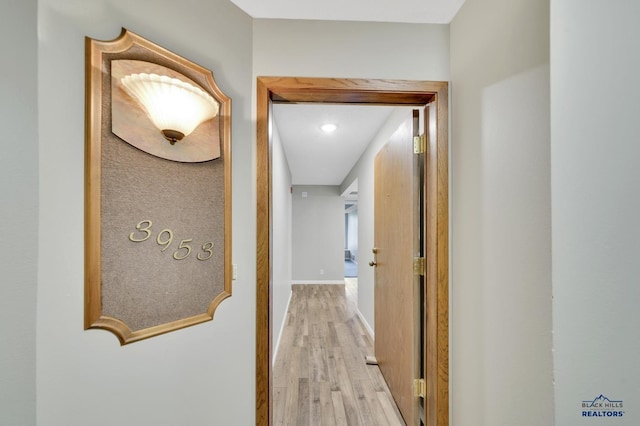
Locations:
(373, 92)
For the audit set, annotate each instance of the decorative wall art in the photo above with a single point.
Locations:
(157, 190)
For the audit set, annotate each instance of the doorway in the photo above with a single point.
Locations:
(351, 250)
(369, 92)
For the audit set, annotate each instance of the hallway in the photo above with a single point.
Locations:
(320, 377)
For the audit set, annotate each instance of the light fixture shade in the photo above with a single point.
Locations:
(171, 104)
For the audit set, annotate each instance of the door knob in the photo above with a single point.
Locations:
(372, 263)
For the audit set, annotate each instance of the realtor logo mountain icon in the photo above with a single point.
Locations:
(602, 406)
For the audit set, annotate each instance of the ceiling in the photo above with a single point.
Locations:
(316, 158)
(410, 11)
(319, 158)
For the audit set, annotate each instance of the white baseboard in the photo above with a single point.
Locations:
(366, 325)
(317, 282)
(284, 321)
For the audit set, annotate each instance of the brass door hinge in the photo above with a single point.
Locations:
(419, 144)
(420, 388)
(419, 266)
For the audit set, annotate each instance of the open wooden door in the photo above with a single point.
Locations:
(397, 237)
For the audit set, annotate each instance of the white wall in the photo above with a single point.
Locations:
(280, 236)
(356, 50)
(595, 64)
(501, 362)
(207, 371)
(19, 212)
(200, 375)
(501, 344)
(363, 172)
(318, 234)
(350, 49)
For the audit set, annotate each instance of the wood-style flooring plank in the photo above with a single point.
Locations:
(304, 406)
(279, 396)
(366, 416)
(349, 398)
(390, 409)
(338, 409)
(320, 376)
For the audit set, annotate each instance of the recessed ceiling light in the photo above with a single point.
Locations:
(328, 128)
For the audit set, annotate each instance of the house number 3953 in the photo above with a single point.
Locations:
(165, 238)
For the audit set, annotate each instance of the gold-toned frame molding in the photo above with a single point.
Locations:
(94, 99)
(372, 92)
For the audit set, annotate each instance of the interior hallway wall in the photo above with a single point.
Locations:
(595, 64)
(318, 234)
(363, 171)
(195, 376)
(352, 50)
(501, 345)
(18, 211)
(281, 236)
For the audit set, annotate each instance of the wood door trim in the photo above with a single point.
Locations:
(358, 91)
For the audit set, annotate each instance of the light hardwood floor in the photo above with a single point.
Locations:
(320, 376)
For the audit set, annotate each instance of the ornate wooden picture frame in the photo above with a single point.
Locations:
(157, 190)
